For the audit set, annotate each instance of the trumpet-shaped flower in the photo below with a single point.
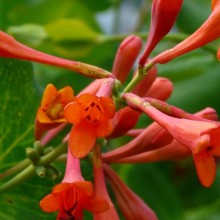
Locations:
(131, 205)
(126, 56)
(209, 31)
(73, 195)
(11, 48)
(101, 189)
(50, 113)
(201, 137)
(91, 116)
(163, 16)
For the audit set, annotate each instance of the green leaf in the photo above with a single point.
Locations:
(71, 37)
(70, 30)
(17, 110)
(18, 105)
(31, 34)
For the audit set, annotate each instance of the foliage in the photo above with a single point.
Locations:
(74, 30)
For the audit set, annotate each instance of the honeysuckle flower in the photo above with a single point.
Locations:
(11, 48)
(91, 116)
(120, 122)
(126, 56)
(163, 16)
(208, 31)
(73, 195)
(101, 189)
(161, 89)
(131, 205)
(151, 137)
(201, 137)
(207, 114)
(50, 113)
(172, 151)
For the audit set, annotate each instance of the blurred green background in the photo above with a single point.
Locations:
(90, 31)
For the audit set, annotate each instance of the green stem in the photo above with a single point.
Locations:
(138, 77)
(31, 169)
(20, 166)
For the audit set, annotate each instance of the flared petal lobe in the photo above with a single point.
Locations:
(50, 114)
(91, 116)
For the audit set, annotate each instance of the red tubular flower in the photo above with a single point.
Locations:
(126, 56)
(179, 113)
(151, 137)
(73, 195)
(91, 118)
(131, 205)
(163, 16)
(172, 151)
(201, 137)
(11, 48)
(209, 31)
(161, 89)
(50, 114)
(101, 189)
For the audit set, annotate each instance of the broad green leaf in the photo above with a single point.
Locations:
(152, 185)
(17, 110)
(31, 34)
(71, 37)
(70, 30)
(41, 12)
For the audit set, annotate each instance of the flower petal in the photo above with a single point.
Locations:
(67, 95)
(86, 98)
(50, 203)
(96, 205)
(49, 92)
(105, 128)
(73, 112)
(205, 167)
(61, 187)
(42, 117)
(108, 106)
(215, 142)
(85, 186)
(82, 139)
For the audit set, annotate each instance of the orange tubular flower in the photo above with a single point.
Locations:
(164, 13)
(50, 114)
(201, 137)
(208, 32)
(126, 55)
(71, 198)
(73, 195)
(91, 118)
(11, 48)
(131, 205)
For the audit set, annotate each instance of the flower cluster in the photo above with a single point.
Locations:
(109, 108)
